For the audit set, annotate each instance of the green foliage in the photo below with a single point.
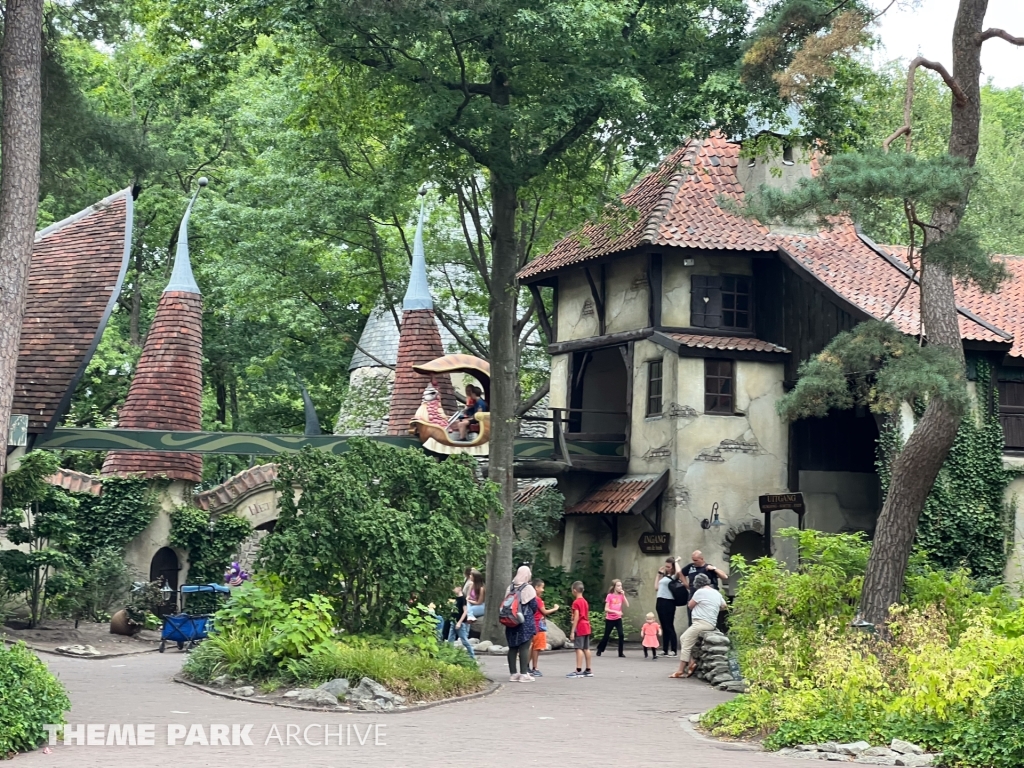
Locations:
(877, 366)
(402, 528)
(419, 677)
(41, 517)
(420, 624)
(588, 567)
(114, 518)
(535, 524)
(211, 541)
(92, 591)
(994, 739)
(965, 521)
(815, 678)
(30, 697)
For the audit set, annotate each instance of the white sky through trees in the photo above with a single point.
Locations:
(926, 27)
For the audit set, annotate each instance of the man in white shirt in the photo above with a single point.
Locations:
(705, 604)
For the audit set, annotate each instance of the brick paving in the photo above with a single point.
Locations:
(629, 714)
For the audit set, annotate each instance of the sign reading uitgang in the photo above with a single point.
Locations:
(774, 501)
(654, 543)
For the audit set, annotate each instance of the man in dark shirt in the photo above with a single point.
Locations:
(698, 565)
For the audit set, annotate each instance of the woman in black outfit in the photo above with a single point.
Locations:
(666, 606)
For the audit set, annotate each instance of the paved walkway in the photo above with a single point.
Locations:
(629, 714)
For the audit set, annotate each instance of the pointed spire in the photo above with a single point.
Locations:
(181, 276)
(417, 296)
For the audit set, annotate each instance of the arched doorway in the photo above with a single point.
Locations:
(165, 566)
(750, 544)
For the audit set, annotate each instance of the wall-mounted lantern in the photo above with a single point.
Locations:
(713, 521)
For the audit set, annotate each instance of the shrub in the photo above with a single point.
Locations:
(30, 697)
(416, 676)
(376, 529)
(995, 739)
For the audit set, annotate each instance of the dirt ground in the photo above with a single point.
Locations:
(58, 632)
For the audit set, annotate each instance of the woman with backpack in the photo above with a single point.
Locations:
(516, 614)
(668, 582)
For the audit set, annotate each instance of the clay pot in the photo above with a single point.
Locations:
(119, 625)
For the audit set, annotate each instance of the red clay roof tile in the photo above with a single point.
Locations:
(419, 342)
(75, 274)
(166, 391)
(237, 487)
(729, 343)
(617, 497)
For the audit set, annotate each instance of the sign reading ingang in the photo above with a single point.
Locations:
(774, 501)
(654, 543)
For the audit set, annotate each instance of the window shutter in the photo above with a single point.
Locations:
(705, 301)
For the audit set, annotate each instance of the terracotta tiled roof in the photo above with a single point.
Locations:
(237, 487)
(76, 272)
(842, 260)
(531, 491)
(419, 342)
(166, 390)
(621, 496)
(1005, 308)
(730, 343)
(675, 205)
(76, 482)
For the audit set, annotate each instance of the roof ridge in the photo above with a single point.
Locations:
(88, 211)
(668, 195)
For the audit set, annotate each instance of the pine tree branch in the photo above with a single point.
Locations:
(988, 34)
(908, 99)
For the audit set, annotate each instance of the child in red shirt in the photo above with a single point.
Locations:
(650, 632)
(579, 632)
(540, 640)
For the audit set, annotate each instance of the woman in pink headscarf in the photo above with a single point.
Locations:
(520, 637)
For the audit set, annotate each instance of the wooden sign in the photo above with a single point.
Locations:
(654, 543)
(775, 501)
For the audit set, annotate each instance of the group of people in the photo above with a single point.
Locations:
(524, 615)
(465, 420)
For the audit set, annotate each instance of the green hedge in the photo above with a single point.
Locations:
(30, 697)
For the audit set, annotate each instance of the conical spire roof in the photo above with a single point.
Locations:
(419, 342)
(166, 392)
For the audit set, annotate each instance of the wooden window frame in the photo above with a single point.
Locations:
(712, 291)
(653, 365)
(714, 394)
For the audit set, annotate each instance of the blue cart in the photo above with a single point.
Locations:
(182, 628)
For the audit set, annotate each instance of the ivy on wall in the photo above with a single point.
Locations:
(966, 521)
(111, 520)
(211, 542)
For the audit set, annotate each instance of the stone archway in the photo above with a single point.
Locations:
(165, 565)
(746, 540)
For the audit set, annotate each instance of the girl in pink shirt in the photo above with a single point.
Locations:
(614, 602)
(650, 631)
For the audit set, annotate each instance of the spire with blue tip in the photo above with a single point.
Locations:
(181, 276)
(417, 296)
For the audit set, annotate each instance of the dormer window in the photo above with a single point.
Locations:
(721, 302)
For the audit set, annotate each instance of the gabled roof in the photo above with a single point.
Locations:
(677, 205)
(77, 269)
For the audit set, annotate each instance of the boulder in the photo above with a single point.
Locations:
(556, 637)
(719, 679)
(293, 693)
(497, 650)
(371, 690)
(338, 687)
(837, 758)
(482, 646)
(879, 752)
(875, 760)
(854, 748)
(221, 680)
(734, 686)
(916, 761)
(245, 690)
(317, 697)
(905, 747)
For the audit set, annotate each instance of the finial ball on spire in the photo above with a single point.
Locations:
(423, 190)
(203, 181)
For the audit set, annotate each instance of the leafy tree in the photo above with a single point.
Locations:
(40, 517)
(941, 249)
(376, 530)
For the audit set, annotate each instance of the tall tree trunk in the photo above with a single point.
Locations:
(918, 464)
(20, 73)
(504, 394)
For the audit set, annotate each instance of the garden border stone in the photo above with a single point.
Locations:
(8, 642)
(491, 688)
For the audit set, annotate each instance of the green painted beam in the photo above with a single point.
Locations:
(269, 445)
